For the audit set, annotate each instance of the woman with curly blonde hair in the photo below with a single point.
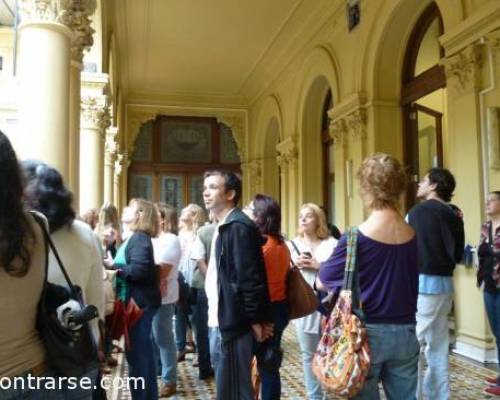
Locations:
(313, 245)
(388, 279)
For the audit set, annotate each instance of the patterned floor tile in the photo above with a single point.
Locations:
(467, 378)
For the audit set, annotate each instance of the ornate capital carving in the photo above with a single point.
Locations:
(352, 124)
(463, 68)
(95, 112)
(337, 131)
(44, 10)
(110, 146)
(288, 153)
(121, 162)
(253, 169)
(78, 20)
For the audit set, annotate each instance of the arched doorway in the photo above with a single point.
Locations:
(271, 173)
(314, 181)
(171, 155)
(423, 99)
(328, 160)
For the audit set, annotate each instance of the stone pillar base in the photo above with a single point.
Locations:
(476, 353)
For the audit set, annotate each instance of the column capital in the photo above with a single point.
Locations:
(288, 153)
(78, 20)
(352, 124)
(110, 146)
(463, 69)
(44, 10)
(122, 161)
(95, 112)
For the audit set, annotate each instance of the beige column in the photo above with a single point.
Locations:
(110, 150)
(121, 193)
(283, 170)
(44, 60)
(82, 40)
(338, 133)
(119, 163)
(95, 119)
(463, 73)
(288, 161)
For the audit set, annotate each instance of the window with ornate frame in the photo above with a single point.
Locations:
(171, 155)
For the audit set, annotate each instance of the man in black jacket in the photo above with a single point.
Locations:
(440, 236)
(236, 288)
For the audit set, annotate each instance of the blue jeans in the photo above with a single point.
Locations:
(394, 361)
(199, 320)
(67, 392)
(232, 365)
(492, 305)
(270, 372)
(433, 332)
(308, 343)
(141, 359)
(163, 336)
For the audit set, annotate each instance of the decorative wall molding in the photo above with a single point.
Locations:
(484, 20)
(122, 162)
(140, 114)
(493, 40)
(463, 70)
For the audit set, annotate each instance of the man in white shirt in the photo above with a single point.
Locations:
(236, 288)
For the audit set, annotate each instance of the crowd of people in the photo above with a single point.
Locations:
(219, 287)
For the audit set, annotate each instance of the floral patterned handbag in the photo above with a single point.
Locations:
(342, 359)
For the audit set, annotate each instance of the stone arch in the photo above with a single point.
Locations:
(380, 65)
(320, 74)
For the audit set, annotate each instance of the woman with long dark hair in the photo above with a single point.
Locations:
(266, 214)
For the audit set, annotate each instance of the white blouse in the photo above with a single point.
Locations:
(311, 323)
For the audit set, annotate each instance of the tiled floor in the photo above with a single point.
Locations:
(467, 378)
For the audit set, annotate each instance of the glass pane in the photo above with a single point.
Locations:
(172, 190)
(228, 147)
(186, 141)
(428, 53)
(427, 143)
(196, 190)
(144, 143)
(141, 187)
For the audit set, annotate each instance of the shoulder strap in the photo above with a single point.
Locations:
(351, 276)
(50, 244)
(295, 247)
(490, 235)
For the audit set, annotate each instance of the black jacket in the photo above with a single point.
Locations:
(242, 281)
(440, 237)
(141, 272)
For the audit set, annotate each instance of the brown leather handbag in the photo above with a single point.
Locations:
(301, 298)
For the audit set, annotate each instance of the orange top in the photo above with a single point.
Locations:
(277, 260)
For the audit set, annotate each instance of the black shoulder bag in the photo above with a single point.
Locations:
(68, 340)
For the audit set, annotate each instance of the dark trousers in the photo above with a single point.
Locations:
(232, 366)
(141, 359)
(199, 320)
(269, 354)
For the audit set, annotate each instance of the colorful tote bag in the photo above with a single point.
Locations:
(342, 359)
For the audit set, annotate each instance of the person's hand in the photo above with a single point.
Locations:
(263, 331)
(310, 263)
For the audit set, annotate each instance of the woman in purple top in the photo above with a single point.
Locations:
(388, 278)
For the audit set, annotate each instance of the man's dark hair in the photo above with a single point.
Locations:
(231, 182)
(267, 214)
(444, 181)
(496, 193)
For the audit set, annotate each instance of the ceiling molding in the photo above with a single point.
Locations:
(286, 48)
(186, 99)
(118, 8)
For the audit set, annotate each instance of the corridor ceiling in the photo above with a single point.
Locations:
(193, 48)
